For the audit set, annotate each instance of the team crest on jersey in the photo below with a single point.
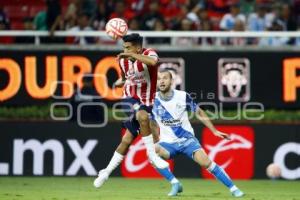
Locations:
(234, 79)
(160, 110)
(179, 106)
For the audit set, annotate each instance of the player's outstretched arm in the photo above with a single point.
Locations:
(148, 60)
(206, 121)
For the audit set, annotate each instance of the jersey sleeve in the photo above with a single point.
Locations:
(151, 53)
(190, 104)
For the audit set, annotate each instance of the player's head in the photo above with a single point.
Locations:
(164, 80)
(133, 43)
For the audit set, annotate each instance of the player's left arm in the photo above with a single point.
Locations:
(148, 60)
(206, 121)
(191, 106)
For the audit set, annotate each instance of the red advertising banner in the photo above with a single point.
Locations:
(236, 156)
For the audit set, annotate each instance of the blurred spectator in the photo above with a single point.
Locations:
(134, 24)
(247, 6)
(83, 25)
(228, 21)
(50, 20)
(28, 26)
(99, 19)
(171, 9)
(290, 23)
(4, 25)
(54, 16)
(273, 14)
(152, 16)
(205, 22)
(296, 10)
(257, 21)
(40, 21)
(297, 40)
(121, 11)
(217, 8)
(277, 25)
(205, 25)
(88, 6)
(159, 25)
(186, 25)
(71, 13)
(200, 18)
(78, 6)
(238, 26)
(138, 6)
(175, 22)
(4, 21)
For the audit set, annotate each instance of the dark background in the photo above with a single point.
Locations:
(201, 73)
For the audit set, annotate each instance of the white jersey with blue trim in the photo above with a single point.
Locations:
(172, 116)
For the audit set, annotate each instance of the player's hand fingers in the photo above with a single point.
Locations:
(225, 136)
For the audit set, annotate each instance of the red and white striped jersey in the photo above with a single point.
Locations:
(140, 79)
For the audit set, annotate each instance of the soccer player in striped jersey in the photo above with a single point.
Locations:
(177, 135)
(139, 77)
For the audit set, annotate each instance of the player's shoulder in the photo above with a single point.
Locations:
(180, 92)
(147, 51)
(180, 95)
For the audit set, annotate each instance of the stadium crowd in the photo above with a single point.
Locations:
(154, 15)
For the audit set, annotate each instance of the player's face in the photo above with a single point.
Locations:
(164, 81)
(130, 48)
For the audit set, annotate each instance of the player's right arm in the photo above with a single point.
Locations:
(206, 121)
(204, 118)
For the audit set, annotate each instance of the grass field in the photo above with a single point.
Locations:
(59, 188)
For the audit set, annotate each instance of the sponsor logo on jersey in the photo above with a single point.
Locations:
(171, 122)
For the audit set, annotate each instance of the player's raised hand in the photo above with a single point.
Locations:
(222, 135)
(119, 83)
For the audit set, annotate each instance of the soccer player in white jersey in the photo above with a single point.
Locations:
(170, 110)
(139, 77)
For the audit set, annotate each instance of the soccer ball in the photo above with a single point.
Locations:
(273, 171)
(116, 28)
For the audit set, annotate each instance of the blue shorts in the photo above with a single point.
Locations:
(187, 147)
(130, 106)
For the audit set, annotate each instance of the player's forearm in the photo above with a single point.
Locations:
(205, 120)
(145, 59)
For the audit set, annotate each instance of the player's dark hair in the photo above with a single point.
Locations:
(166, 71)
(134, 38)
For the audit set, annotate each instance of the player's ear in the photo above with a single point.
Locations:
(139, 48)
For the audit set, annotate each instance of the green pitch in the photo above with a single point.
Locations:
(54, 188)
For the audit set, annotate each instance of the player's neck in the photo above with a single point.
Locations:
(166, 95)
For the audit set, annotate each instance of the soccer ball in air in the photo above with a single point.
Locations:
(116, 28)
(273, 171)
